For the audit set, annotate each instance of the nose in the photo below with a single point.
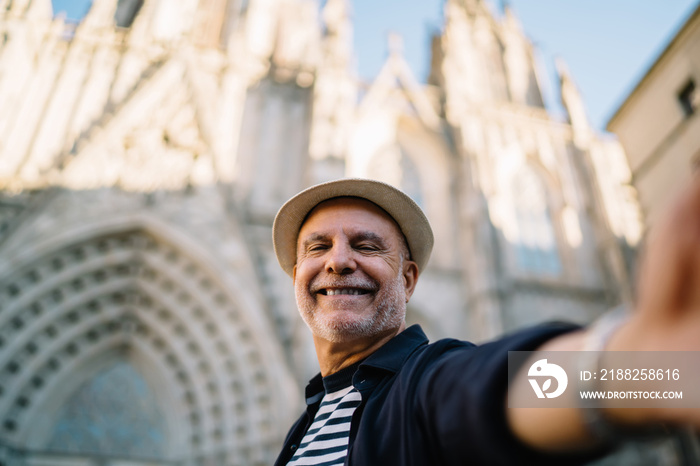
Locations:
(340, 260)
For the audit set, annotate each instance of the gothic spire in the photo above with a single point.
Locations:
(40, 9)
(573, 103)
(338, 37)
(101, 15)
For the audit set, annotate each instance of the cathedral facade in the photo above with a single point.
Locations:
(144, 153)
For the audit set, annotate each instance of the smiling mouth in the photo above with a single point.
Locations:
(343, 291)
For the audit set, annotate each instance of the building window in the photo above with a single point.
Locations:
(393, 166)
(126, 12)
(115, 413)
(689, 98)
(410, 180)
(536, 248)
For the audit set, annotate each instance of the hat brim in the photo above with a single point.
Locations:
(408, 215)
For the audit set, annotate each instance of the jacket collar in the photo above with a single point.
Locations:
(390, 357)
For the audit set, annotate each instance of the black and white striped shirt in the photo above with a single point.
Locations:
(326, 441)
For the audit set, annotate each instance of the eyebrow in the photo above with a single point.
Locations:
(369, 236)
(314, 238)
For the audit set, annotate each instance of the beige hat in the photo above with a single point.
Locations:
(410, 218)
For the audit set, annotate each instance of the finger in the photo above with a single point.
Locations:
(669, 261)
(692, 299)
(690, 248)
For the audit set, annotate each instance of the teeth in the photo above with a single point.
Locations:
(348, 291)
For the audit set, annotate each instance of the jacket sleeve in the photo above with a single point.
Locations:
(462, 401)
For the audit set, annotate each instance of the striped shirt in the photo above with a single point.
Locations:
(326, 441)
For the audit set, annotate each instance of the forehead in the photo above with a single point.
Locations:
(351, 212)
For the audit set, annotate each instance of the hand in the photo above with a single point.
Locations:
(667, 310)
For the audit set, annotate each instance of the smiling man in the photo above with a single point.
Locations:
(385, 395)
(353, 277)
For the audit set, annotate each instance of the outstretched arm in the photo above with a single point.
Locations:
(666, 318)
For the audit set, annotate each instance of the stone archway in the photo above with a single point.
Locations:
(128, 295)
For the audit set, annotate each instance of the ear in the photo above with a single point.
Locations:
(410, 277)
(294, 274)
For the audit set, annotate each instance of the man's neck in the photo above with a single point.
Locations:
(335, 356)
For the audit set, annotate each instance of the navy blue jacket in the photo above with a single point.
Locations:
(433, 404)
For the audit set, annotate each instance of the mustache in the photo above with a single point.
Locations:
(363, 283)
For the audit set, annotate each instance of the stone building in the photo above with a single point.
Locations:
(658, 122)
(144, 153)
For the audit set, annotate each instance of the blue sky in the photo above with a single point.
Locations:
(608, 44)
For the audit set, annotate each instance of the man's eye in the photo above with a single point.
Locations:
(366, 247)
(317, 247)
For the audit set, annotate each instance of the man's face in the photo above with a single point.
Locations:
(353, 277)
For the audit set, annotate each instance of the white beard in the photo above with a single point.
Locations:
(390, 313)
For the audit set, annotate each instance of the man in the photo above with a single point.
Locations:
(384, 396)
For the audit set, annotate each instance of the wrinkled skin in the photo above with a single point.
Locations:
(352, 278)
